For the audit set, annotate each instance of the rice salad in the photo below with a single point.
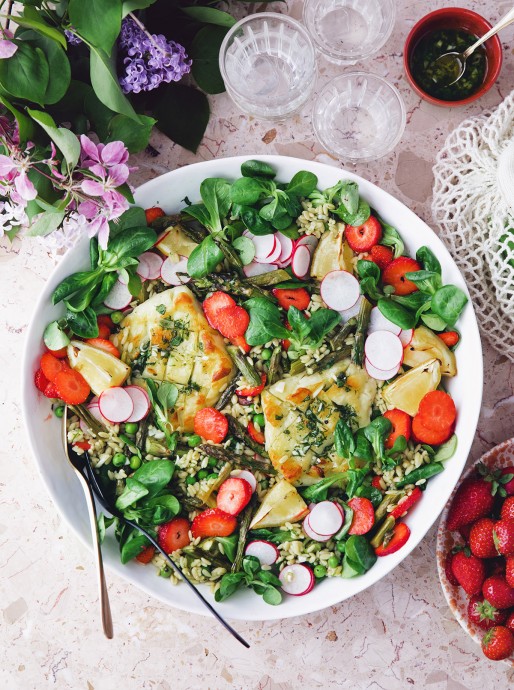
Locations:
(258, 381)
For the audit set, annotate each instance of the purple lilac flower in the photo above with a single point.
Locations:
(72, 38)
(149, 60)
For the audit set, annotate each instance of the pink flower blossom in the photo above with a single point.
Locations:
(107, 155)
(7, 47)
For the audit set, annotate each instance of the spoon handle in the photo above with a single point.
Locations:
(102, 586)
(505, 21)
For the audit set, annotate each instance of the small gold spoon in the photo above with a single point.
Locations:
(78, 465)
(451, 66)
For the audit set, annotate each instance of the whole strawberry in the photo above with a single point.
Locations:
(509, 480)
(483, 614)
(465, 531)
(448, 570)
(509, 623)
(503, 533)
(498, 643)
(481, 540)
(508, 508)
(472, 501)
(469, 571)
(509, 571)
(498, 592)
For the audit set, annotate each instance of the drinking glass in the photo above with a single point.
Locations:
(347, 31)
(268, 64)
(359, 116)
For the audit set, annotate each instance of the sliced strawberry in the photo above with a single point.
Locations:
(406, 503)
(401, 534)
(437, 411)
(257, 436)
(362, 238)
(153, 213)
(105, 345)
(449, 338)
(423, 434)
(60, 354)
(40, 380)
(51, 366)
(51, 391)
(71, 387)
(363, 515)
(376, 483)
(299, 298)
(84, 445)
(103, 331)
(240, 341)
(211, 424)
(215, 303)
(394, 275)
(146, 554)
(402, 426)
(232, 322)
(213, 523)
(234, 495)
(381, 256)
(254, 390)
(105, 320)
(174, 535)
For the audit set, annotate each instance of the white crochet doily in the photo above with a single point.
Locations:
(474, 208)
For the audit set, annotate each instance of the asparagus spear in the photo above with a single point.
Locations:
(243, 532)
(198, 552)
(229, 282)
(226, 395)
(238, 430)
(342, 332)
(274, 365)
(381, 535)
(244, 366)
(360, 334)
(85, 415)
(244, 460)
(269, 279)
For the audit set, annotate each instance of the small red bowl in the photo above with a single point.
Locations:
(454, 18)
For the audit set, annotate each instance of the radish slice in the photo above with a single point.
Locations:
(347, 314)
(170, 271)
(307, 241)
(297, 579)
(265, 551)
(153, 264)
(116, 404)
(119, 297)
(264, 246)
(245, 474)
(256, 269)
(340, 290)
(287, 248)
(380, 374)
(143, 269)
(384, 350)
(325, 518)
(274, 256)
(406, 336)
(141, 403)
(301, 261)
(312, 534)
(378, 322)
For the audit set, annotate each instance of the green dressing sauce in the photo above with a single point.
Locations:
(434, 78)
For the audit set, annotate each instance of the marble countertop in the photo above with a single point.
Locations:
(398, 634)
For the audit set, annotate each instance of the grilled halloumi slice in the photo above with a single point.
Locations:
(301, 413)
(167, 338)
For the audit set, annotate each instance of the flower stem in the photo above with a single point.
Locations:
(146, 32)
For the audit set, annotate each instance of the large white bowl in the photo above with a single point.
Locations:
(43, 428)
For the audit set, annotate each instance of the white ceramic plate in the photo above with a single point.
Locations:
(168, 191)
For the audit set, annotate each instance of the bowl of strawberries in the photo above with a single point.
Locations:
(475, 552)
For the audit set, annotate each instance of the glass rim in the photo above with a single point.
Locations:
(285, 18)
(341, 57)
(369, 157)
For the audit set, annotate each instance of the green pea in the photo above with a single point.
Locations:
(341, 546)
(320, 571)
(333, 562)
(212, 475)
(266, 354)
(194, 441)
(212, 462)
(135, 462)
(259, 419)
(59, 411)
(131, 428)
(119, 460)
(117, 316)
(191, 479)
(203, 474)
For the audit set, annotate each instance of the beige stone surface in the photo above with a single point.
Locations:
(398, 634)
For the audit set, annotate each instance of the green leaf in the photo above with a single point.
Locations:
(229, 546)
(349, 196)
(343, 439)
(447, 450)
(448, 303)
(428, 259)
(272, 596)
(26, 73)
(348, 519)
(245, 248)
(391, 238)
(133, 547)
(54, 337)
(97, 21)
(182, 113)
(25, 124)
(106, 86)
(246, 191)
(396, 313)
(376, 433)
(210, 15)
(65, 140)
(154, 475)
(302, 184)
(350, 569)
(265, 322)
(319, 491)
(129, 244)
(45, 224)
(167, 395)
(433, 321)
(134, 490)
(59, 77)
(135, 136)
(204, 51)
(204, 258)
(215, 193)
(31, 19)
(133, 5)
(253, 168)
(83, 323)
(74, 282)
(359, 551)
(358, 218)
(426, 281)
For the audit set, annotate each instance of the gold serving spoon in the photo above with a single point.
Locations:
(78, 465)
(451, 66)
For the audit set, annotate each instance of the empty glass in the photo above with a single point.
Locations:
(347, 31)
(359, 116)
(268, 64)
